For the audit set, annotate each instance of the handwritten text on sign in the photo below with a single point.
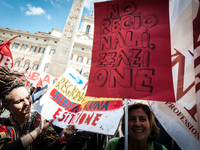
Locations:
(131, 51)
(66, 102)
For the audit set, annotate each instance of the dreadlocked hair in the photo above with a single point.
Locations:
(8, 81)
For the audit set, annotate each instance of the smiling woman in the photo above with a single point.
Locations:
(142, 130)
(23, 129)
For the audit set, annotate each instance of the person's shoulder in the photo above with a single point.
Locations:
(157, 146)
(112, 143)
(115, 139)
(164, 148)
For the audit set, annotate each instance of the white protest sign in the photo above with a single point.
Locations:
(66, 102)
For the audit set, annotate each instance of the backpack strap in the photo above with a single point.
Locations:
(120, 144)
(157, 146)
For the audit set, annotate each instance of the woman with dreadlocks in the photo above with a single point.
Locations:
(24, 130)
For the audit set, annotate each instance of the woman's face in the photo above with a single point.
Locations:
(19, 101)
(138, 125)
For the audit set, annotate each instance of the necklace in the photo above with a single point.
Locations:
(23, 130)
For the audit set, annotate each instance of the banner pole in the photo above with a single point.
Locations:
(126, 125)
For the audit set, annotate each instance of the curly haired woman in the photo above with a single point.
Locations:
(23, 129)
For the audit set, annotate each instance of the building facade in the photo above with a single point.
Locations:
(36, 50)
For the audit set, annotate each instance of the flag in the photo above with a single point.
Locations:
(6, 55)
(37, 95)
(196, 42)
(39, 83)
(181, 119)
(81, 71)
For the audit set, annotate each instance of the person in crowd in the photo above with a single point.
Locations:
(23, 129)
(165, 139)
(37, 89)
(142, 130)
(32, 89)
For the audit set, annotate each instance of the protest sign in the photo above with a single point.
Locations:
(131, 51)
(181, 119)
(66, 102)
(6, 58)
(37, 78)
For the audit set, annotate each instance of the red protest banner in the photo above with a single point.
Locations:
(131, 51)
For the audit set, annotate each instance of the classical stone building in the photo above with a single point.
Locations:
(38, 50)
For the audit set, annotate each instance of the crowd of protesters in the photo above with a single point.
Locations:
(24, 129)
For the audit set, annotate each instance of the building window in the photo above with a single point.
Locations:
(80, 58)
(86, 77)
(33, 48)
(15, 45)
(55, 42)
(10, 34)
(19, 35)
(42, 49)
(35, 67)
(82, 48)
(26, 65)
(45, 40)
(46, 68)
(87, 29)
(71, 57)
(36, 39)
(27, 37)
(89, 61)
(52, 52)
(17, 63)
(3, 33)
(24, 47)
(1, 41)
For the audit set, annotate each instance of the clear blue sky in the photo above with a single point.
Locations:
(38, 15)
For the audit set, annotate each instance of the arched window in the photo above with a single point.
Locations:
(89, 61)
(33, 48)
(46, 68)
(15, 45)
(35, 67)
(26, 65)
(87, 29)
(52, 52)
(71, 57)
(80, 58)
(24, 47)
(17, 63)
(42, 49)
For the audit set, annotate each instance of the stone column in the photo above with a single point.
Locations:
(60, 61)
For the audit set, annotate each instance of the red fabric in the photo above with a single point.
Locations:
(131, 56)
(5, 54)
(3, 129)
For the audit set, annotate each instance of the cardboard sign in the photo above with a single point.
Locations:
(66, 102)
(131, 51)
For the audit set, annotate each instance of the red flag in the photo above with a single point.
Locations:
(39, 83)
(5, 54)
